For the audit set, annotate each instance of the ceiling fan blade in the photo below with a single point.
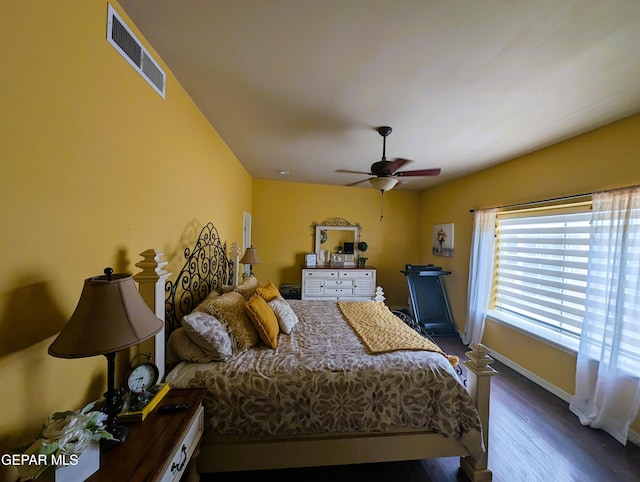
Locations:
(396, 164)
(355, 172)
(359, 182)
(418, 172)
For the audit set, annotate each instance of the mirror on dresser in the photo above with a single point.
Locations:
(336, 242)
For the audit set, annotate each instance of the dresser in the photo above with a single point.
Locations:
(338, 283)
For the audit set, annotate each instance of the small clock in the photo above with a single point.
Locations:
(142, 376)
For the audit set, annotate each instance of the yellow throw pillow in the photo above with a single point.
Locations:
(264, 320)
(268, 291)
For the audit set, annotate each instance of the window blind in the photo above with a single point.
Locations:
(542, 259)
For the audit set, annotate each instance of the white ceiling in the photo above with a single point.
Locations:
(301, 85)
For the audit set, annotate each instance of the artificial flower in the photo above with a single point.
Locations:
(64, 434)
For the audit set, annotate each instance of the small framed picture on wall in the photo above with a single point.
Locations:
(443, 239)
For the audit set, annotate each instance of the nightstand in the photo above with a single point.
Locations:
(159, 448)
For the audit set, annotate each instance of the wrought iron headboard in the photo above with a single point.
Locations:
(206, 268)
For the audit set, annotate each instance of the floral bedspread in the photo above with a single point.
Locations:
(321, 380)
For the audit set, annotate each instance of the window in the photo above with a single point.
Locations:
(570, 276)
(541, 272)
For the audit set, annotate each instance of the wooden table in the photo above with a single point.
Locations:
(160, 447)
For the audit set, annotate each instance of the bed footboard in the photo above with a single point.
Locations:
(479, 387)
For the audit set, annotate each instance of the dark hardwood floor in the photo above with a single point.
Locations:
(532, 437)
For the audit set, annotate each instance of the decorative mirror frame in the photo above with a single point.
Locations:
(333, 224)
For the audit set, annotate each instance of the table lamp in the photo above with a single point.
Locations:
(111, 316)
(250, 257)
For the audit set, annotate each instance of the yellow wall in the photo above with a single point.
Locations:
(283, 213)
(96, 167)
(602, 159)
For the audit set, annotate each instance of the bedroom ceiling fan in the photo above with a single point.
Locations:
(386, 172)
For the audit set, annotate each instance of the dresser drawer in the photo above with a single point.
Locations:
(321, 273)
(338, 283)
(184, 449)
(338, 291)
(355, 274)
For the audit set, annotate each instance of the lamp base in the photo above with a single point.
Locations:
(113, 405)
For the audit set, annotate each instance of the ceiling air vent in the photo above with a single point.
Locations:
(125, 42)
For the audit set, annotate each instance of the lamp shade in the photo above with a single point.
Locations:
(383, 183)
(250, 256)
(111, 315)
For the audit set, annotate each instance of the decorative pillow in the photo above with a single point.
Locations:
(180, 347)
(204, 304)
(287, 319)
(229, 308)
(248, 287)
(268, 291)
(209, 334)
(264, 320)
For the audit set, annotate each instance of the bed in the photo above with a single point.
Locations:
(314, 392)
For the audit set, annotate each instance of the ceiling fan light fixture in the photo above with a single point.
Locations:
(386, 171)
(383, 183)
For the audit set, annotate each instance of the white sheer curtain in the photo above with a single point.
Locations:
(481, 267)
(608, 367)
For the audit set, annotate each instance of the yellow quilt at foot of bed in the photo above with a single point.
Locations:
(381, 331)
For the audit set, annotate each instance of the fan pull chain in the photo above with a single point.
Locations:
(381, 205)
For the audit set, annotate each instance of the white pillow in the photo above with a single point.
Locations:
(209, 333)
(248, 287)
(180, 347)
(287, 319)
